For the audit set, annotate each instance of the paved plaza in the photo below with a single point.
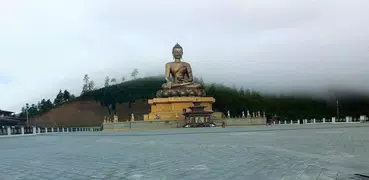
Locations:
(273, 152)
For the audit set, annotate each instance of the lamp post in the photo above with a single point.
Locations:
(27, 106)
(338, 110)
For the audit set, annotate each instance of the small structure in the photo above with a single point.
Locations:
(4, 113)
(7, 118)
(132, 117)
(115, 118)
(198, 117)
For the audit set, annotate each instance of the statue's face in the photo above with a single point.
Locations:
(177, 53)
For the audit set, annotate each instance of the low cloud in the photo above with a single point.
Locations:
(275, 46)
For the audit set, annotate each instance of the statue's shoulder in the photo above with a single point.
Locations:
(185, 63)
(168, 63)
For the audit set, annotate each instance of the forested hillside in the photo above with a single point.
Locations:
(227, 98)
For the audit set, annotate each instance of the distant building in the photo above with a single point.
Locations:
(5, 113)
(7, 118)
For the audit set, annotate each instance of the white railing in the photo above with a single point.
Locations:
(347, 119)
(21, 130)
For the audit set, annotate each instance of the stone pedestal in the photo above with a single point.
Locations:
(167, 108)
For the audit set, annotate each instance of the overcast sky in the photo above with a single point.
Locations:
(267, 45)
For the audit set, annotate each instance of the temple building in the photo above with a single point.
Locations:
(7, 118)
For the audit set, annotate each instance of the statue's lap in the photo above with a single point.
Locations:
(181, 92)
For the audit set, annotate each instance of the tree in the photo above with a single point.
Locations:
(59, 99)
(41, 105)
(247, 92)
(66, 95)
(113, 81)
(23, 113)
(32, 110)
(39, 108)
(85, 87)
(211, 90)
(242, 92)
(123, 79)
(72, 97)
(91, 86)
(48, 105)
(107, 81)
(202, 82)
(134, 73)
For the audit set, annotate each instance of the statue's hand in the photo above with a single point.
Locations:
(181, 79)
(169, 84)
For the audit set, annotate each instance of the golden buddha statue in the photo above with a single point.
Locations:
(179, 79)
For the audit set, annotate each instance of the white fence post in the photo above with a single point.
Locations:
(8, 130)
(362, 118)
(333, 119)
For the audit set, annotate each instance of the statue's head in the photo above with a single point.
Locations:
(177, 51)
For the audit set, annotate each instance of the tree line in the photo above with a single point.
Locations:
(88, 87)
(227, 99)
(46, 105)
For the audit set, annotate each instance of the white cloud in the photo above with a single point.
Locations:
(271, 45)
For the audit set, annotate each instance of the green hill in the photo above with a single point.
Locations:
(227, 98)
(234, 100)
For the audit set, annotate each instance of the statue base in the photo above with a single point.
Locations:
(172, 108)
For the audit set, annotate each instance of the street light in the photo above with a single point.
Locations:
(338, 110)
(27, 106)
